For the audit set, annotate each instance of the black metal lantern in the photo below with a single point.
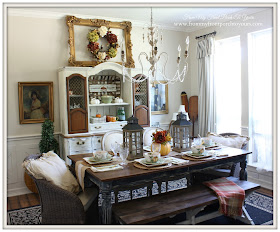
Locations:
(133, 138)
(181, 133)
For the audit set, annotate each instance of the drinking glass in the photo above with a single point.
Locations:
(123, 154)
(197, 141)
(115, 148)
(156, 147)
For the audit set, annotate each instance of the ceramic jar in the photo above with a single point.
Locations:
(118, 100)
(94, 101)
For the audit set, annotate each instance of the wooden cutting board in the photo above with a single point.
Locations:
(193, 108)
(184, 99)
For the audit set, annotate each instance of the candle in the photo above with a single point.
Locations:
(187, 43)
(179, 50)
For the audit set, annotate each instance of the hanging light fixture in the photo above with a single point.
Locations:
(155, 74)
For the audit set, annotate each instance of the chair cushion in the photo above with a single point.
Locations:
(236, 141)
(88, 196)
(52, 168)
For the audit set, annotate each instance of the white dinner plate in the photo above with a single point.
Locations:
(198, 156)
(91, 160)
(160, 162)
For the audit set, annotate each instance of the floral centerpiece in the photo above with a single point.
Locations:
(97, 50)
(163, 138)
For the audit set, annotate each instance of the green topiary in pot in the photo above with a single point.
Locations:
(48, 142)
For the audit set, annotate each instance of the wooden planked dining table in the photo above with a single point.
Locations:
(131, 177)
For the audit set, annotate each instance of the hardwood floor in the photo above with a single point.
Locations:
(32, 199)
(264, 191)
(23, 201)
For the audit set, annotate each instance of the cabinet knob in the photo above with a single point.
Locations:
(98, 140)
(80, 143)
(97, 127)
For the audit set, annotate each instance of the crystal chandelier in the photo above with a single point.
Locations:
(156, 74)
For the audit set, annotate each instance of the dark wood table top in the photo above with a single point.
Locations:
(131, 171)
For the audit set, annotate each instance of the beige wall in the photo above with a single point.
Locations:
(37, 47)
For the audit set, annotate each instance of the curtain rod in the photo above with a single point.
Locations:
(212, 33)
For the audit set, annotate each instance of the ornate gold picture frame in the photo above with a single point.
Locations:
(125, 26)
(35, 102)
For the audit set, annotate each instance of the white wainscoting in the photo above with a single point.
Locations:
(17, 149)
(263, 178)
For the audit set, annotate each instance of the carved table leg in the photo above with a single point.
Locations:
(243, 172)
(106, 207)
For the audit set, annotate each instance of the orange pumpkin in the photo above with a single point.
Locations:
(98, 115)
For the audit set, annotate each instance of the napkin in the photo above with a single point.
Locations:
(80, 170)
(106, 168)
(216, 154)
(175, 160)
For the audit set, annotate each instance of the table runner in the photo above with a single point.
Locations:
(231, 196)
(81, 166)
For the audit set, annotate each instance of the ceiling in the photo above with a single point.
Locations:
(167, 17)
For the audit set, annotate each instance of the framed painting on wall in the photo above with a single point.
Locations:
(35, 102)
(159, 99)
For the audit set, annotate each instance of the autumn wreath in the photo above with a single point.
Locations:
(93, 45)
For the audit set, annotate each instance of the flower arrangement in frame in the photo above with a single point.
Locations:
(100, 31)
(98, 50)
(35, 102)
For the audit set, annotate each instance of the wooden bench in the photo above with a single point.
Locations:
(190, 200)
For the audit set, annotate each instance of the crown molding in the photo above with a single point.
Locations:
(55, 15)
(35, 13)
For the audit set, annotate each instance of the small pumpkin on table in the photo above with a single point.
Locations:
(161, 143)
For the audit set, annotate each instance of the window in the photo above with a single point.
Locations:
(260, 98)
(227, 78)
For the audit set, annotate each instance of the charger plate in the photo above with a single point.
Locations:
(138, 165)
(189, 156)
(194, 159)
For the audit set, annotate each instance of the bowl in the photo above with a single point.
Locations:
(207, 141)
(198, 149)
(106, 99)
(152, 157)
(100, 155)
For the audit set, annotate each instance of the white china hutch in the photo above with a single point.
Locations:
(81, 130)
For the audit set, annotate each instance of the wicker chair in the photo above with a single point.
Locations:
(61, 207)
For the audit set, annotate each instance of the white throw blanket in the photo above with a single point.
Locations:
(52, 168)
